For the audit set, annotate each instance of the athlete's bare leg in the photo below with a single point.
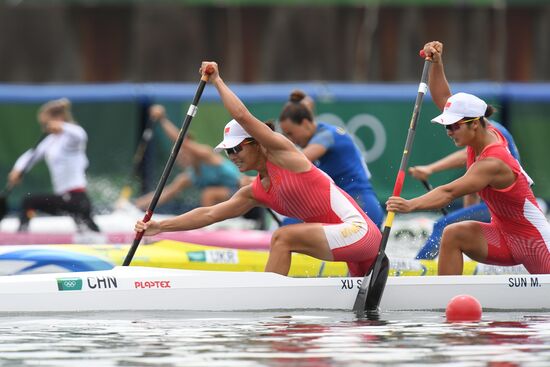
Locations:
(304, 238)
(458, 239)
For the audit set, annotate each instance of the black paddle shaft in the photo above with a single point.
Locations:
(146, 137)
(369, 298)
(168, 168)
(274, 216)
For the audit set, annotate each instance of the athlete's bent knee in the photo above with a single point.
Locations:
(280, 240)
(455, 234)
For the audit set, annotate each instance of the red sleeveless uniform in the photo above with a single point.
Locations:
(519, 232)
(313, 197)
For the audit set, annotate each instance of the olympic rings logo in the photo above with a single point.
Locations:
(356, 123)
(69, 283)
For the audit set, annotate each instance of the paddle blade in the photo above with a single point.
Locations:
(3, 207)
(377, 285)
(371, 290)
(361, 299)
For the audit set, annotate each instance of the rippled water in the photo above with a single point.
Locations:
(301, 339)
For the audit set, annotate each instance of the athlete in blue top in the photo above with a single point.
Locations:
(473, 209)
(332, 150)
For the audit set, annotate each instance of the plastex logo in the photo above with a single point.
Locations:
(69, 284)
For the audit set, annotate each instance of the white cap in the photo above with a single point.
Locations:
(233, 135)
(459, 106)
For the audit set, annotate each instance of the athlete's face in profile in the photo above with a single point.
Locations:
(299, 134)
(460, 132)
(244, 155)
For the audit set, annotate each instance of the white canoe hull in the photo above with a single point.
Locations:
(141, 288)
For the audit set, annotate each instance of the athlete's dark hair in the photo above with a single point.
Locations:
(296, 110)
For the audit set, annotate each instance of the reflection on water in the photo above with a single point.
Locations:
(301, 339)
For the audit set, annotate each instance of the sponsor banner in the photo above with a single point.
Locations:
(377, 117)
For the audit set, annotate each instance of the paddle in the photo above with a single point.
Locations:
(274, 216)
(146, 137)
(429, 187)
(168, 168)
(368, 299)
(7, 190)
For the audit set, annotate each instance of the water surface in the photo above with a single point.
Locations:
(301, 339)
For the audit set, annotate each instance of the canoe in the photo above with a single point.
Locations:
(142, 288)
(247, 239)
(408, 234)
(178, 255)
(117, 228)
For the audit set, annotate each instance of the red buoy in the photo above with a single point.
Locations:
(463, 308)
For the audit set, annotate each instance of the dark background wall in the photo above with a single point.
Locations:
(141, 41)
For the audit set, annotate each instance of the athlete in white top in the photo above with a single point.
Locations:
(64, 150)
